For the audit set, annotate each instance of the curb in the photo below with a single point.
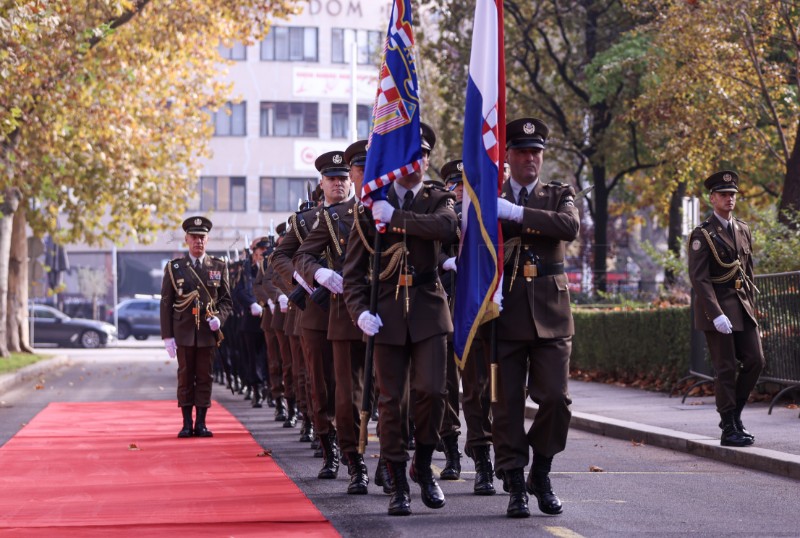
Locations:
(32, 371)
(760, 459)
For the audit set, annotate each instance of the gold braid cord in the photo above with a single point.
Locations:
(293, 222)
(334, 239)
(512, 247)
(734, 267)
(186, 300)
(395, 252)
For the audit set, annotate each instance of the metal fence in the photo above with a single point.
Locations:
(778, 315)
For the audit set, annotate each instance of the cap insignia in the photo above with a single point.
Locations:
(727, 177)
(337, 159)
(696, 244)
(460, 167)
(529, 128)
(198, 222)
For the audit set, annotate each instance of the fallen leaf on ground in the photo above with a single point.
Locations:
(791, 406)
(133, 446)
(595, 469)
(39, 386)
(637, 443)
(264, 453)
(696, 403)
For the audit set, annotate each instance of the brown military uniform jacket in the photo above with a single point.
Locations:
(298, 228)
(430, 221)
(714, 293)
(264, 290)
(538, 303)
(178, 319)
(329, 239)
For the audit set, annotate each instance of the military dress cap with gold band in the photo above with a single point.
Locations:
(356, 153)
(526, 133)
(428, 137)
(724, 181)
(332, 164)
(451, 171)
(197, 225)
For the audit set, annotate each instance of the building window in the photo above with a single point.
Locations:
(369, 42)
(284, 193)
(237, 52)
(289, 119)
(290, 44)
(230, 120)
(223, 193)
(340, 122)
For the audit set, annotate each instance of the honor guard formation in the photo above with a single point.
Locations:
(290, 324)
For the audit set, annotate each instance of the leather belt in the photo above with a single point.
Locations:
(420, 279)
(734, 283)
(542, 269)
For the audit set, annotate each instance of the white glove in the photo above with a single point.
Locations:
(723, 324)
(255, 309)
(213, 323)
(284, 302)
(450, 264)
(508, 211)
(271, 305)
(330, 279)
(369, 324)
(172, 347)
(382, 211)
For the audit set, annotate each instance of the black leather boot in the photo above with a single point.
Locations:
(514, 479)
(256, 398)
(422, 474)
(307, 433)
(270, 400)
(383, 477)
(359, 476)
(538, 485)
(330, 455)
(452, 466)
(484, 472)
(737, 419)
(186, 431)
(200, 429)
(291, 417)
(248, 395)
(731, 435)
(400, 501)
(280, 410)
(412, 441)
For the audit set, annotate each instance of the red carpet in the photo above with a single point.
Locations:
(117, 469)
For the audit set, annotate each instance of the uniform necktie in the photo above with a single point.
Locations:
(197, 264)
(408, 199)
(523, 196)
(730, 230)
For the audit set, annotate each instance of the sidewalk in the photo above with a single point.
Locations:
(30, 373)
(658, 420)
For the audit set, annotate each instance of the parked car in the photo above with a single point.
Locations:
(139, 318)
(52, 326)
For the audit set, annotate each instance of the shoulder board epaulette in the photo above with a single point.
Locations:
(740, 220)
(556, 184)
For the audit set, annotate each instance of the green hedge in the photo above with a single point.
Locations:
(633, 344)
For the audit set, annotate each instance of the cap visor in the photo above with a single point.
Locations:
(523, 144)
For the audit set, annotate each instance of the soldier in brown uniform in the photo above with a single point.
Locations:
(328, 241)
(411, 323)
(195, 302)
(535, 327)
(721, 271)
(314, 319)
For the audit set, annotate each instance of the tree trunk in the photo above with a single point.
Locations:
(8, 206)
(17, 323)
(790, 198)
(675, 227)
(599, 264)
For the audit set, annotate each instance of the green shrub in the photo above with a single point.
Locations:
(651, 345)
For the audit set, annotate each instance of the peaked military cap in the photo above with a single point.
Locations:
(356, 153)
(262, 242)
(526, 133)
(428, 137)
(280, 229)
(433, 181)
(723, 181)
(197, 225)
(332, 164)
(451, 172)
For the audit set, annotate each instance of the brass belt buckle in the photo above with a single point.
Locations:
(738, 284)
(405, 280)
(530, 270)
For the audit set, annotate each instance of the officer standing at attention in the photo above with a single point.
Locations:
(411, 323)
(721, 272)
(195, 302)
(535, 327)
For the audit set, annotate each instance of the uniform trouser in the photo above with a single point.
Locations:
(477, 398)
(319, 360)
(348, 365)
(542, 364)
(421, 366)
(286, 363)
(725, 350)
(254, 357)
(194, 375)
(299, 377)
(274, 363)
(451, 425)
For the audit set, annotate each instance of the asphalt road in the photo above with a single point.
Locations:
(641, 490)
